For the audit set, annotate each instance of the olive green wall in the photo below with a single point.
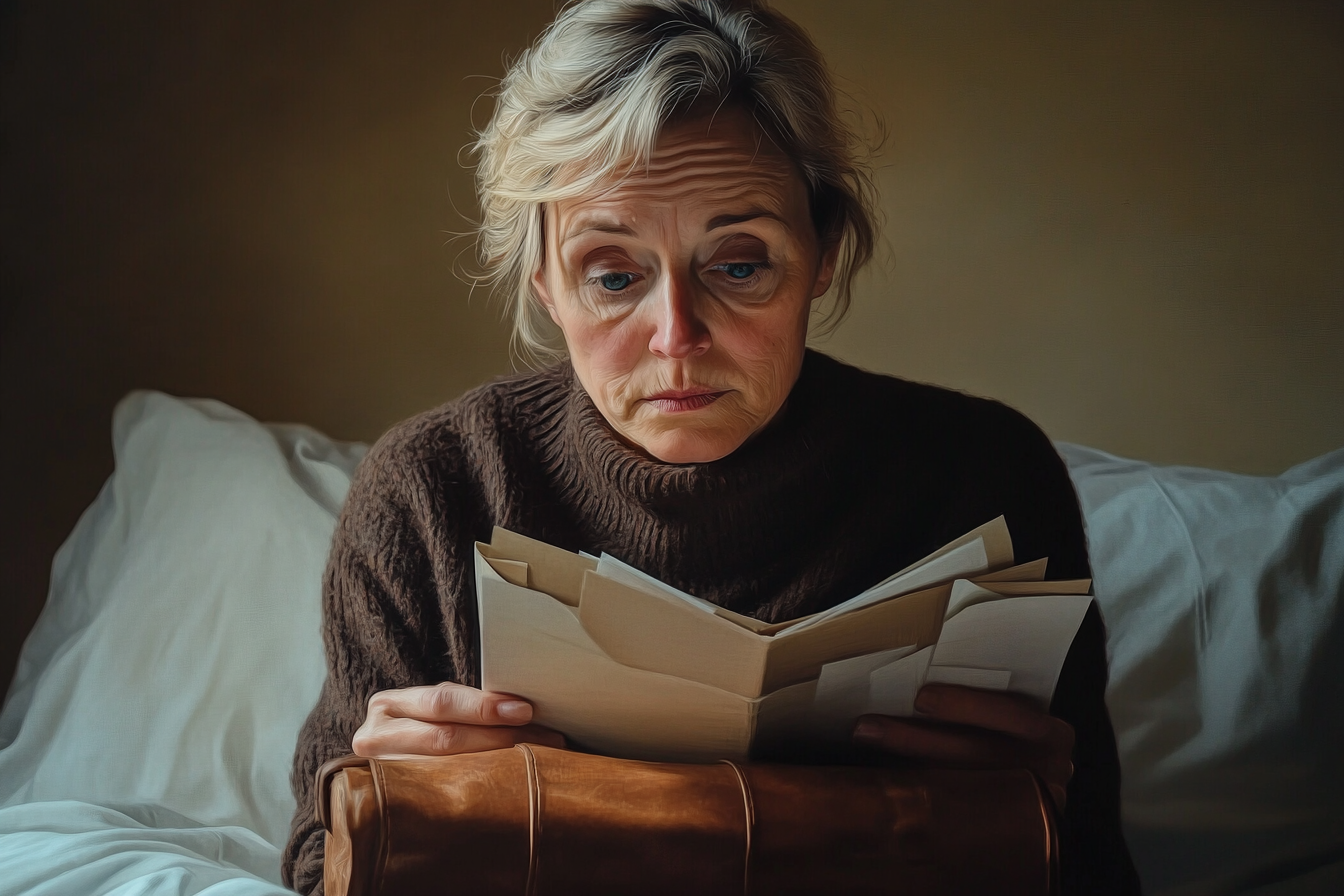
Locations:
(1125, 219)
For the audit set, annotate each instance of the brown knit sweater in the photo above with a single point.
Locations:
(857, 477)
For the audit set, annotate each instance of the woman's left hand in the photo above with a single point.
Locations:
(972, 728)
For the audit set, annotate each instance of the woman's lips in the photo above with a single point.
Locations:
(677, 400)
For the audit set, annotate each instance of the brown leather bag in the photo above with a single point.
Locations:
(539, 821)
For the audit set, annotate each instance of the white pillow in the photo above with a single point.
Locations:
(179, 649)
(1222, 596)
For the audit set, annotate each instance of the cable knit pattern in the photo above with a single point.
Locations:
(858, 476)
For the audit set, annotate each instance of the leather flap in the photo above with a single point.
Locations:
(324, 776)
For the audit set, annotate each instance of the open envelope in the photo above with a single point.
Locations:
(638, 672)
(995, 635)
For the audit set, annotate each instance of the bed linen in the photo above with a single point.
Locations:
(151, 721)
(1222, 595)
(145, 742)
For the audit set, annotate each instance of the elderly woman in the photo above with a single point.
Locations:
(667, 188)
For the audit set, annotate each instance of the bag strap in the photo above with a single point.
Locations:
(328, 770)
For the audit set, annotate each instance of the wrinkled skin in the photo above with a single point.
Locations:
(683, 291)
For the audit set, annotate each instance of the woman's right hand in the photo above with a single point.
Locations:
(439, 719)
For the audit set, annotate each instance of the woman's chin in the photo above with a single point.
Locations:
(689, 446)
(700, 436)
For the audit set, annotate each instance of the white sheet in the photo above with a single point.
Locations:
(66, 848)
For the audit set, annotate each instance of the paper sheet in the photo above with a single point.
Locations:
(966, 560)
(892, 688)
(987, 679)
(1030, 636)
(629, 665)
(620, 571)
(843, 692)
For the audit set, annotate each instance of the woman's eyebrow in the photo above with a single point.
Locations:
(595, 225)
(728, 220)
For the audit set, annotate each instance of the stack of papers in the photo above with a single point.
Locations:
(626, 665)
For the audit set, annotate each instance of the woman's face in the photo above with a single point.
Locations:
(684, 289)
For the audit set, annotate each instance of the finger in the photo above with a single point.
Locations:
(935, 742)
(450, 702)
(964, 747)
(403, 737)
(1011, 714)
(397, 737)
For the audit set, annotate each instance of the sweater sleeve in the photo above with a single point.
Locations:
(1019, 473)
(384, 591)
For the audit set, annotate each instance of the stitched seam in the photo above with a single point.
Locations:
(749, 816)
(1045, 829)
(380, 787)
(533, 817)
(1045, 801)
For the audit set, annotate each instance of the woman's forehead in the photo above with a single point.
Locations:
(718, 168)
(727, 140)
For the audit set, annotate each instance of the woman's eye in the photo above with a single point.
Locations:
(616, 282)
(740, 270)
(743, 272)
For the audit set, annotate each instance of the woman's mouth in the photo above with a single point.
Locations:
(675, 401)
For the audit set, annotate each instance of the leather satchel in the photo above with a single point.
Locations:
(544, 822)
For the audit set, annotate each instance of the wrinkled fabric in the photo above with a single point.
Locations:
(1222, 596)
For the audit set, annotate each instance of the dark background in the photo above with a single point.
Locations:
(1125, 219)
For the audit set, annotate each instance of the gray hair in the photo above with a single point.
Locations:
(587, 101)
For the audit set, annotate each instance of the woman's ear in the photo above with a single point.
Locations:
(540, 288)
(826, 270)
(543, 292)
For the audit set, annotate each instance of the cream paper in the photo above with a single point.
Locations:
(626, 665)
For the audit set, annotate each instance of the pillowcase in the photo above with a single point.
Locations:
(1221, 595)
(179, 649)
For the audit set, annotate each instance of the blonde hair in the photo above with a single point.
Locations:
(587, 102)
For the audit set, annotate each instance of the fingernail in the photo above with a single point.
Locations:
(867, 731)
(514, 710)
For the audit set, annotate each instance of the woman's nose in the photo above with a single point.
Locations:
(679, 332)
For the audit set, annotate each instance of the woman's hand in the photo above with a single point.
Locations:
(439, 719)
(972, 728)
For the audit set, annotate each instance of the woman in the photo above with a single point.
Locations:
(666, 186)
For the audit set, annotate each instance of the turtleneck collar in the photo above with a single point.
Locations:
(729, 513)
(786, 443)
